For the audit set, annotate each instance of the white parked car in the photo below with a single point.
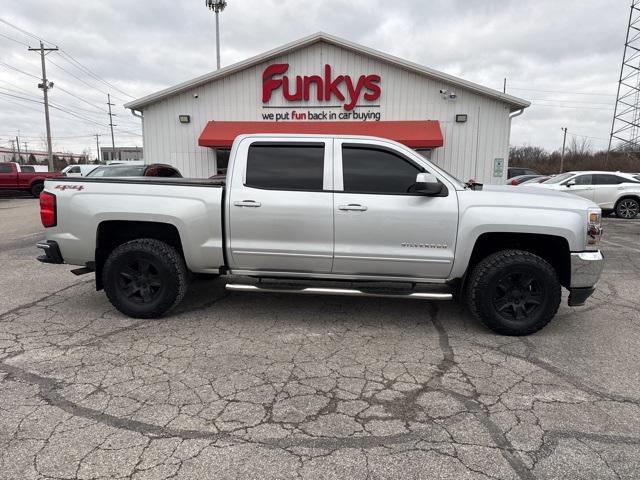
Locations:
(78, 170)
(612, 191)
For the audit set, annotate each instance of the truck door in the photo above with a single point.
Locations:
(8, 175)
(280, 212)
(381, 228)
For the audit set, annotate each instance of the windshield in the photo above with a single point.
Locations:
(559, 178)
(117, 172)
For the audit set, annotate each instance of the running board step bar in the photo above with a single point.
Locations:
(347, 292)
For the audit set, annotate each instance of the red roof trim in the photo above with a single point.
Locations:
(414, 134)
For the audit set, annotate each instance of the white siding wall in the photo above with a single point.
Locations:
(469, 148)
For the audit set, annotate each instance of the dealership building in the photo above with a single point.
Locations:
(325, 84)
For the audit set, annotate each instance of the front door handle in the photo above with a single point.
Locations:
(247, 203)
(353, 206)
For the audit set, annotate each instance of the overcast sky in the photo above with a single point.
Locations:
(564, 56)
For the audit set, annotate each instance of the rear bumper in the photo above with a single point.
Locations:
(51, 252)
(586, 268)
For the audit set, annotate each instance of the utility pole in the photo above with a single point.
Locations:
(217, 6)
(13, 150)
(97, 146)
(45, 86)
(26, 149)
(504, 86)
(18, 143)
(564, 141)
(111, 124)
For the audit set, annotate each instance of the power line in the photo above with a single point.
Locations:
(572, 107)
(563, 91)
(13, 39)
(25, 32)
(18, 70)
(568, 101)
(80, 66)
(68, 57)
(77, 78)
(56, 107)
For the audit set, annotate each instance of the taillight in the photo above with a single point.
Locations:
(48, 214)
(514, 182)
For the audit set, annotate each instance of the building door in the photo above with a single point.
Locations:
(281, 207)
(381, 227)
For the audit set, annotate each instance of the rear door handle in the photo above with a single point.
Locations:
(247, 203)
(353, 206)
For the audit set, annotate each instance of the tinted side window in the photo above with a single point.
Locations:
(5, 168)
(583, 179)
(285, 166)
(375, 170)
(607, 179)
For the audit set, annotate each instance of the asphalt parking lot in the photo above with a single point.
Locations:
(255, 386)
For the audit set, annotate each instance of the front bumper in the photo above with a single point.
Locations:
(586, 268)
(51, 252)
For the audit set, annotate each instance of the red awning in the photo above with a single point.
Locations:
(414, 134)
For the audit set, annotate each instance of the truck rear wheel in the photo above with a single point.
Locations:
(514, 292)
(145, 278)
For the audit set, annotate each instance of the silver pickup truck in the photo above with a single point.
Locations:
(333, 215)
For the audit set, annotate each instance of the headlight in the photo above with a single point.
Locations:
(594, 227)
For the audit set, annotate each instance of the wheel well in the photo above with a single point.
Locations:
(635, 197)
(114, 233)
(553, 249)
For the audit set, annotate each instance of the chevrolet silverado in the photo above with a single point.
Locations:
(332, 215)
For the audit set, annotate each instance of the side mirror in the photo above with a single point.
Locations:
(570, 183)
(427, 184)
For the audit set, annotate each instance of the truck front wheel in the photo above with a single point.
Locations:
(514, 292)
(145, 278)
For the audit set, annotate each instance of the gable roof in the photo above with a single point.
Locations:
(515, 102)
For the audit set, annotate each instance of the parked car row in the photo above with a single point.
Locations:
(612, 191)
(14, 176)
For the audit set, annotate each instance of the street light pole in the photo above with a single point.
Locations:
(217, 6)
(564, 141)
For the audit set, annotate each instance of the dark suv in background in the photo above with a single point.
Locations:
(517, 171)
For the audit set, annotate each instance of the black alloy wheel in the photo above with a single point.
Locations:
(145, 278)
(513, 292)
(139, 280)
(518, 295)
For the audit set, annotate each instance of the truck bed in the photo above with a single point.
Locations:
(192, 206)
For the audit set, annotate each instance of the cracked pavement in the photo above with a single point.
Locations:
(281, 386)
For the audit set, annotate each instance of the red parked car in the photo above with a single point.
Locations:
(520, 179)
(13, 178)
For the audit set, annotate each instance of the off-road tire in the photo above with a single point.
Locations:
(167, 274)
(36, 189)
(627, 208)
(485, 290)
